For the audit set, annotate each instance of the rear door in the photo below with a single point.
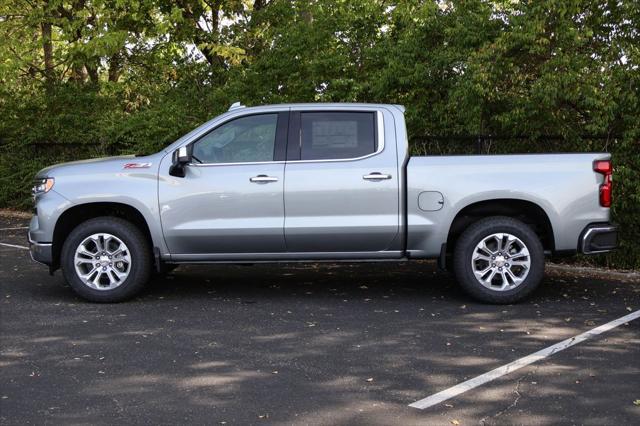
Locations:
(341, 182)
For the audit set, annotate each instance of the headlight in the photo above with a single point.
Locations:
(41, 186)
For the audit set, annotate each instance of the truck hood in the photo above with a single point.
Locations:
(91, 165)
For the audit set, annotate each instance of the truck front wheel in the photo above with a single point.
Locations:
(106, 259)
(499, 260)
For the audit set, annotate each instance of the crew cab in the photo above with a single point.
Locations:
(317, 182)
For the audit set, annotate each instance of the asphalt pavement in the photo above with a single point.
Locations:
(310, 344)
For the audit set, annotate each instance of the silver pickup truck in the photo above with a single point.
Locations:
(317, 182)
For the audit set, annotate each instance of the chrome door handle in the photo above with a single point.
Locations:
(376, 176)
(263, 179)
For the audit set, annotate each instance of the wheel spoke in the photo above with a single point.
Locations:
(113, 276)
(482, 273)
(107, 242)
(505, 282)
(98, 243)
(480, 256)
(486, 249)
(510, 240)
(515, 279)
(489, 279)
(120, 274)
(88, 274)
(84, 252)
(523, 252)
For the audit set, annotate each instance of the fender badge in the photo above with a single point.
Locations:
(136, 166)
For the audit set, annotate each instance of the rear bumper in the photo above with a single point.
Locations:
(598, 238)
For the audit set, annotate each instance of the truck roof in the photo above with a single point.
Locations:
(238, 105)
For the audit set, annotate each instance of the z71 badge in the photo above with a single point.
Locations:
(136, 166)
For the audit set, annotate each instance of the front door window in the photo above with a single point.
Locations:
(243, 140)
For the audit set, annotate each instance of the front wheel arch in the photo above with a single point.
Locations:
(80, 213)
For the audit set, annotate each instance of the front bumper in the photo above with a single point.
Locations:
(41, 252)
(598, 238)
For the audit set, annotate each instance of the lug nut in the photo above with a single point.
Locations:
(493, 265)
(507, 265)
(104, 268)
(500, 268)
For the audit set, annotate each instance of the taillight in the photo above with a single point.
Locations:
(605, 168)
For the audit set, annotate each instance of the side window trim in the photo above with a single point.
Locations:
(295, 135)
(279, 148)
(282, 128)
(294, 143)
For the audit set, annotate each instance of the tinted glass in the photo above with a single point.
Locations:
(336, 135)
(245, 139)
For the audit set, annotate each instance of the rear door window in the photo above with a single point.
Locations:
(337, 135)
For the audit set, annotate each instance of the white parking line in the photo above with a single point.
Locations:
(14, 246)
(522, 362)
(13, 229)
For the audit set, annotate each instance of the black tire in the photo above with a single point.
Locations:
(465, 248)
(139, 250)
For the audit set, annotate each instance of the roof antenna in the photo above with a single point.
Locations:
(235, 105)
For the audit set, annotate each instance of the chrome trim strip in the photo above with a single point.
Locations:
(380, 125)
(234, 164)
(284, 256)
(263, 179)
(35, 243)
(376, 176)
(590, 233)
(37, 248)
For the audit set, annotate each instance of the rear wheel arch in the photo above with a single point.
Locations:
(80, 213)
(525, 211)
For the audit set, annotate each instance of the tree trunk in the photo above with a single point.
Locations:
(114, 67)
(202, 37)
(92, 70)
(78, 73)
(47, 49)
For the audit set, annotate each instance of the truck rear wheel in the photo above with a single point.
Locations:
(106, 259)
(499, 260)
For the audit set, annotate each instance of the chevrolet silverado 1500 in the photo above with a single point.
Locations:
(317, 182)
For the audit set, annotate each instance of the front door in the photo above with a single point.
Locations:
(231, 198)
(341, 183)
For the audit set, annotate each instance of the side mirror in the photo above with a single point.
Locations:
(181, 157)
